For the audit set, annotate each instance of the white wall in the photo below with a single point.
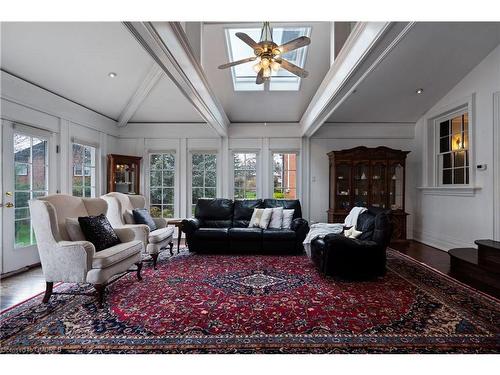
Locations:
(447, 221)
(337, 136)
(24, 103)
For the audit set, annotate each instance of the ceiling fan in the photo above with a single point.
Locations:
(268, 54)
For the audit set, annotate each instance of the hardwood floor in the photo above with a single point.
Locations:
(17, 288)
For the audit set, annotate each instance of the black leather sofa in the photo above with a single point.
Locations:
(221, 225)
(361, 258)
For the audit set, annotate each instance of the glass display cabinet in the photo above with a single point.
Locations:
(124, 174)
(364, 177)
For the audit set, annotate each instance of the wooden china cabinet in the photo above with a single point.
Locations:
(124, 173)
(364, 176)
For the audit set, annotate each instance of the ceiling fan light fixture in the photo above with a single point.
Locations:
(267, 73)
(275, 66)
(257, 68)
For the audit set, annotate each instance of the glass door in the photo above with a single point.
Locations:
(25, 176)
(343, 187)
(396, 193)
(361, 183)
(379, 184)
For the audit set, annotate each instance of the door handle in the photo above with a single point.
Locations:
(9, 205)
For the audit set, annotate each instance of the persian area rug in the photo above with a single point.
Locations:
(260, 304)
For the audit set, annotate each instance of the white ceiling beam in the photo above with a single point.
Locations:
(168, 45)
(142, 92)
(366, 47)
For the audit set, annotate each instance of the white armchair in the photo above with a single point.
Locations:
(64, 260)
(119, 215)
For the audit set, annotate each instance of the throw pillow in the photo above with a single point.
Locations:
(266, 218)
(128, 215)
(73, 228)
(142, 216)
(287, 218)
(98, 230)
(276, 218)
(255, 220)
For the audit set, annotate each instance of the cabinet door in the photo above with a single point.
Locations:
(342, 186)
(361, 182)
(396, 185)
(379, 194)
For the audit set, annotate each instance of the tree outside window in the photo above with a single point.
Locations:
(162, 185)
(84, 171)
(204, 178)
(245, 175)
(285, 176)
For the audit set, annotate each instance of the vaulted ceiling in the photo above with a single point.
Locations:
(73, 60)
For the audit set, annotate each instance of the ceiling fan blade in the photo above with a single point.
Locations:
(224, 66)
(301, 41)
(244, 37)
(260, 77)
(292, 68)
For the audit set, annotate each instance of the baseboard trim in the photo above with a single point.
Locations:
(19, 270)
(441, 243)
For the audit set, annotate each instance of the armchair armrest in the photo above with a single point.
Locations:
(160, 222)
(189, 226)
(141, 232)
(338, 241)
(68, 261)
(301, 228)
(125, 234)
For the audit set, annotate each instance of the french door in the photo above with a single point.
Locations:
(26, 174)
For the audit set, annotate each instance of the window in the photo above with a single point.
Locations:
(285, 176)
(84, 174)
(30, 182)
(453, 146)
(244, 75)
(161, 185)
(245, 175)
(203, 178)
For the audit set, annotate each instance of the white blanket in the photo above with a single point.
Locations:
(320, 230)
(352, 218)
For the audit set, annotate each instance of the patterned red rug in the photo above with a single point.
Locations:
(221, 304)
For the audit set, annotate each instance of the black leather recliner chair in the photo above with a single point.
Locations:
(221, 225)
(361, 258)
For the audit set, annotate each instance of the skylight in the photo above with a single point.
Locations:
(243, 74)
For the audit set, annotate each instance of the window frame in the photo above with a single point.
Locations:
(430, 175)
(258, 191)
(96, 185)
(190, 172)
(298, 179)
(437, 152)
(175, 184)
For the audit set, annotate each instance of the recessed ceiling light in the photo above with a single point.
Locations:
(112, 74)
(419, 91)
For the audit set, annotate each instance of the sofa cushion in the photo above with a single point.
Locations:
(276, 218)
(286, 204)
(278, 235)
(212, 233)
(98, 230)
(115, 254)
(142, 216)
(243, 210)
(160, 235)
(248, 234)
(214, 213)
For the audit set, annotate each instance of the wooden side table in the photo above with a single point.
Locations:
(178, 224)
